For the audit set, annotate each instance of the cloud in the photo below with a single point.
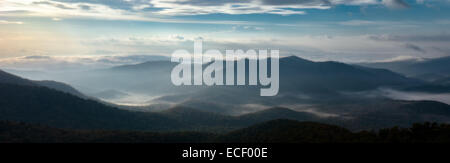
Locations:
(414, 47)
(433, 44)
(316, 47)
(56, 63)
(202, 7)
(37, 57)
(210, 3)
(98, 9)
(383, 24)
(358, 23)
(395, 4)
(417, 38)
(415, 96)
(105, 51)
(400, 58)
(10, 22)
(162, 10)
(128, 59)
(296, 2)
(246, 28)
(85, 7)
(146, 10)
(178, 37)
(114, 4)
(57, 5)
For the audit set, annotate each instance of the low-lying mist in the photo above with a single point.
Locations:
(416, 96)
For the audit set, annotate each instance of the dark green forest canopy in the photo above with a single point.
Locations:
(276, 131)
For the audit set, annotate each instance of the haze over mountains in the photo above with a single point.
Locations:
(328, 92)
(435, 71)
(425, 69)
(298, 77)
(6, 78)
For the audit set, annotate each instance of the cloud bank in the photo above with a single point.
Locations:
(61, 63)
(156, 10)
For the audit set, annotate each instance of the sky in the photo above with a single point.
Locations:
(341, 30)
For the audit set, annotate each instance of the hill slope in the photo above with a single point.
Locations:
(7, 78)
(43, 105)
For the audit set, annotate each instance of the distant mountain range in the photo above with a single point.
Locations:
(296, 74)
(436, 72)
(327, 92)
(303, 75)
(426, 69)
(301, 81)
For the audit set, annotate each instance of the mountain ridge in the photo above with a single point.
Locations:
(438, 66)
(8, 78)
